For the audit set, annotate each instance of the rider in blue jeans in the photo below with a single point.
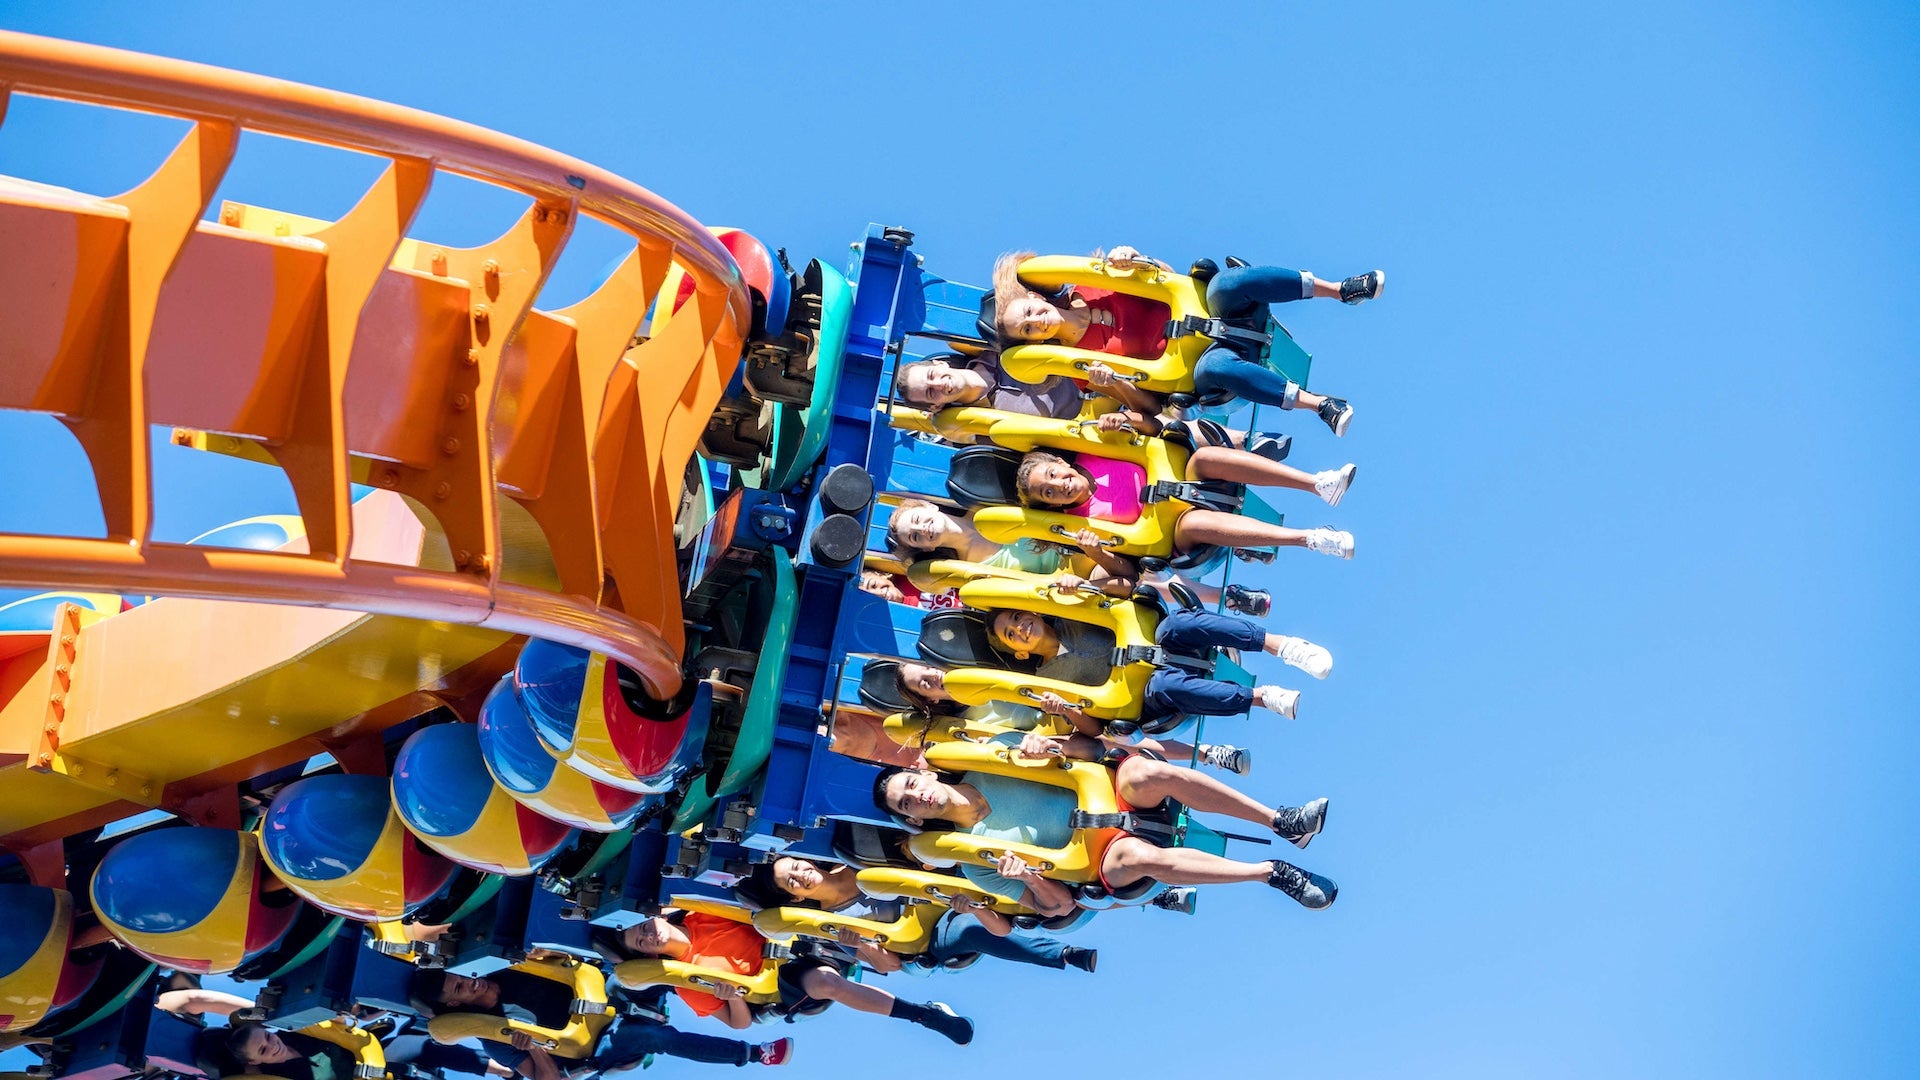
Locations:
(1241, 296)
(1082, 653)
(1238, 295)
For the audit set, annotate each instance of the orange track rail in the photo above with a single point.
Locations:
(365, 375)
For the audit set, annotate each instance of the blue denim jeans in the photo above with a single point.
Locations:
(1173, 690)
(1241, 296)
(632, 1039)
(956, 935)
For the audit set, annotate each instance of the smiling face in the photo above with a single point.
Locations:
(917, 795)
(1055, 483)
(1022, 632)
(263, 1046)
(933, 384)
(921, 527)
(462, 992)
(925, 680)
(1029, 318)
(798, 878)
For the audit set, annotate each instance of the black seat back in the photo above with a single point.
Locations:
(984, 476)
(988, 322)
(860, 844)
(880, 688)
(958, 638)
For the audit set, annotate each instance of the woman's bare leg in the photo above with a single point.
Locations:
(1143, 781)
(1197, 528)
(1241, 467)
(1130, 858)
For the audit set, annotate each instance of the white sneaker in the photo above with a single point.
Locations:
(1278, 699)
(1237, 760)
(1332, 485)
(1305, 655)
(1330, 542)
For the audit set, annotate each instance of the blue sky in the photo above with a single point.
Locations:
(1619, 739)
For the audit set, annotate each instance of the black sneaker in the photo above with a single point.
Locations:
(949, 1023)
(1084, 959)
(1313, 891)
(1180, 898)
(1336, 414)
(1270, 445)
(1298, 825)
(1361, 288)
(1253, 603)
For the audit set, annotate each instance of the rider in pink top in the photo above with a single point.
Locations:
(1115, 491)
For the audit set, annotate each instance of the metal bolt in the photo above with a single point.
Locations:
(481, 316)
(51, 728)
(390, 478)
(460, 402)
(76, 769)
(440, 263)
(44, 760)
(473, 357)
(113, 777)
(146, 789)
(443, 490)
(539, 213)
(491, 270)
(229, 215)
(462, 558)
(450, 446)
(482, 564)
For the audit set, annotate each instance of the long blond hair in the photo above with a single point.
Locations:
(1007, 285)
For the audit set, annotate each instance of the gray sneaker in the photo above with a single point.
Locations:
(1180, 898)
(1311, 890)
(1237, 760)
(1298, 825)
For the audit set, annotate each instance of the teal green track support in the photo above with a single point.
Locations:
(755, 741)
(1285, 355)
(799, 436)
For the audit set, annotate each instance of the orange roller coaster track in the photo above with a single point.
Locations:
(345, 352)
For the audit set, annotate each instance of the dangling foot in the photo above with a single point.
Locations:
(1253, 555)
(777, 1052)
(1084, 959)
(1361, 288)
(1278, 699)
(1269, 445)
(1180, 898)
(1330, 542)
(1303, 654)
(1313, 891)
(1298, 825)
(1237, 760)
(1332, 484)
(1253, 603)
(941, 1018)
(1336, 414)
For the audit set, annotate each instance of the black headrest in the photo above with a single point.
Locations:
(880, 687)
(988, 322)
(959, 638)
(861, 844)
(984, 476)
